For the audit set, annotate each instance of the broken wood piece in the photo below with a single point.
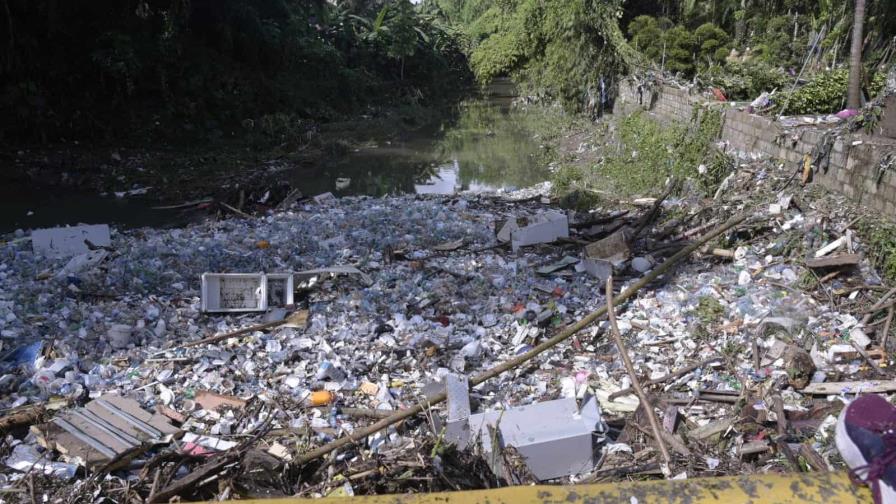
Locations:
(670, 418)
(21, 417)
(834, 261)
(851, 387)
(695, 231)
(829, 276)
(789, 454)
(170, 413)
(654, 212)
(235, 210)
(813, 458)
(187, 204)
(729, 254)
(195, 478)
(883, 339)
(599, 220)
(780, 416)
(881, 303)
(753, 447)
(630, 368)
(449, 246)
(673, 440)
(716, 428)
(298, 318)
(874, 365)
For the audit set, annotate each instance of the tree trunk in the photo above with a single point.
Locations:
(854, 95)
(10, 47)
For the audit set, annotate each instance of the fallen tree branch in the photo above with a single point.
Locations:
(874, 366)
(599, 220)
(293, 318)
(25, 416)
(883, 339)
(525, 357)
(630, 369)
(235, 210)
(654, 212)
(880, 304)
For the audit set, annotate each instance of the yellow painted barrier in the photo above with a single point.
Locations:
(815, 487)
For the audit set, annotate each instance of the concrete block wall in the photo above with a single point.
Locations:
(854, 158)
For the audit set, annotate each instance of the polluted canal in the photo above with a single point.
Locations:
(448, 333)
(485, 145)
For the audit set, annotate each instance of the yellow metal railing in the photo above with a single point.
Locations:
(816, 487)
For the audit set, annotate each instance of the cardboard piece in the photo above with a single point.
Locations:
(69, 241)
(324, 198)
(613, 248)
(211, 401)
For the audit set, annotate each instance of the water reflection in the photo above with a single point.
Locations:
(484, 148)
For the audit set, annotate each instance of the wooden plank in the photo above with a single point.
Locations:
(836, 260)
(853, 387)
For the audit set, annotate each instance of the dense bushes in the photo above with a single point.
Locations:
(824, 94)
(561, 49)
(101, 68)
(677, 48)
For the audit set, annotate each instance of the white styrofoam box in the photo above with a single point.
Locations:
(242, 292)
(280, 290)
(234, 292)
(69, 241)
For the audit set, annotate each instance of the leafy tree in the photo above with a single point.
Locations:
(101, 68)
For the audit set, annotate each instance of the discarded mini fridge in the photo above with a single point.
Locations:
(245, 292)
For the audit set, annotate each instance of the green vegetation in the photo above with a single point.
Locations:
(746, 81)
(709, 310)
(98, 70)
(558, 49)
(881, 239)
(677, 48)
(648, 153)
(825, 94)
(747, 47)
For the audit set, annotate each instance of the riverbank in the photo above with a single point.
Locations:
(480, 143)
(428, 289)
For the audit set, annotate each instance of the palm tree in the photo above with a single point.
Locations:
(854, 93)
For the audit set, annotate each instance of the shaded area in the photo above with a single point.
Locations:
(30, 208)
(483, 145)
(488, 146)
